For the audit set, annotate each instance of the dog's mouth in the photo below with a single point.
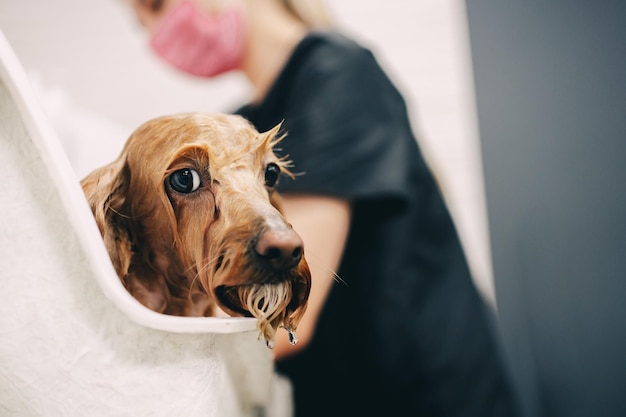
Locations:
(274, 305)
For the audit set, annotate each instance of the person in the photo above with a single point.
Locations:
(394, 324)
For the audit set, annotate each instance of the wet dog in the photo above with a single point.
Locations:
(191, 220)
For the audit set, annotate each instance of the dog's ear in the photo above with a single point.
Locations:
(106, 189)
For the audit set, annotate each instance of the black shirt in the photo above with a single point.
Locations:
(407, 332)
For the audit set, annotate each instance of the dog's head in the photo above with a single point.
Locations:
(190, 217)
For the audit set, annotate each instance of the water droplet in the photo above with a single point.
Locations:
(293, 338)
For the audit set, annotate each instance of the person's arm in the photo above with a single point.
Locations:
(323, 224)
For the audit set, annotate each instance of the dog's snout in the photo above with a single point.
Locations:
(282, 249)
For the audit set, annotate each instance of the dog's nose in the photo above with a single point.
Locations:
(282, 249)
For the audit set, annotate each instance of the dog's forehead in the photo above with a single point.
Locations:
(227, 137)
(223, 136)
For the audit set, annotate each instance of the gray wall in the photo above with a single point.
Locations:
(551, 98)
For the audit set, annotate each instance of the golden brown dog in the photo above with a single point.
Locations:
(188, 214)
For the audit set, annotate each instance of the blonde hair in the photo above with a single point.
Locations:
(313, 13)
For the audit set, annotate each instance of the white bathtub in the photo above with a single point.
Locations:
(73, 342)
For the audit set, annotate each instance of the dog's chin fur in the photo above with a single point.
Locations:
(269, 304)
(273, 305)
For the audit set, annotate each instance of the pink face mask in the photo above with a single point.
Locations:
(198, 43)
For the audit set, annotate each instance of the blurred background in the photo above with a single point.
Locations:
(519, 108)
(98, 81)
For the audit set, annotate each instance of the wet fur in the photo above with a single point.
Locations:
(190, 254)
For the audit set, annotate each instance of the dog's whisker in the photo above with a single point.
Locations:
(194, 280)
(312, 258)
(337, 278)
(199, 271)
(119, 213)
(211, 262)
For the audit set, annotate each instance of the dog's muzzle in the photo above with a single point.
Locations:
(273, 285)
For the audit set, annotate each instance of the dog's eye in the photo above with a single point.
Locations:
(185, 180)
(272, 172)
